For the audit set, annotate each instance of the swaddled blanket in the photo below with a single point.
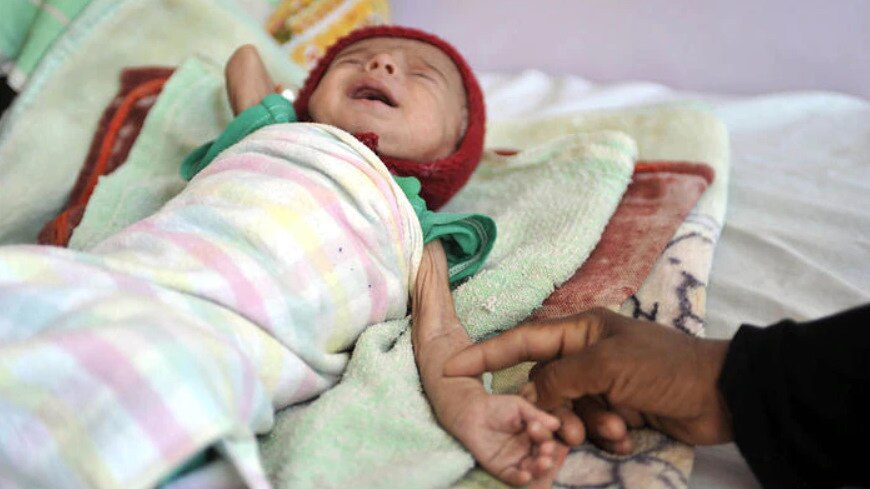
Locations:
(186, 330)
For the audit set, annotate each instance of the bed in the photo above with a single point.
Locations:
(796, 236)
(797, 232)
(796, 239)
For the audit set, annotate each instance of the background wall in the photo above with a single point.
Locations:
(714, 45)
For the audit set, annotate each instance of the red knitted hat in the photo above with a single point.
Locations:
(441, 178)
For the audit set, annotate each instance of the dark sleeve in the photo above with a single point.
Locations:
(799, 396)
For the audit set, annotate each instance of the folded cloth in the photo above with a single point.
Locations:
(656, 203)
(82, 65)
(243, 294)
(28, 31)
(375, 428)
(653, 207)
(117, 130)
(673, 291)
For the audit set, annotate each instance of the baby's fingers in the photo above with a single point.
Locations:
(544, 479)
(515, 476)
(538, 433)
(537, 465)
(530, 415)
(607, 430)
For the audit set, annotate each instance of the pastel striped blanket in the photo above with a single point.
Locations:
(185, 331)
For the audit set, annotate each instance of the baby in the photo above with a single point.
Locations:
(182, 333)
(421, 101)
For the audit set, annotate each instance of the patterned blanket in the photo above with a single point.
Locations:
(662, 263)
(184, 332)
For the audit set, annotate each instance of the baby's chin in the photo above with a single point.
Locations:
(390, 149)
(389, 144)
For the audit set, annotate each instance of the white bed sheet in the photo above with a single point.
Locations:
(796, 240)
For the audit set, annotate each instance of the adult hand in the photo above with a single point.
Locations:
(668, 377)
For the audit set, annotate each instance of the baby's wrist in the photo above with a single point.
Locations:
(450, 396)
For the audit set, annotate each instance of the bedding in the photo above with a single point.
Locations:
(77, 77)
(28, 30)
(116, 132)
(674, 290)
(206, 316)
(655, 204)
(111, 201)
(794, 243)
(674, 120)
(659, 199)
(303, 29)
(606, 158)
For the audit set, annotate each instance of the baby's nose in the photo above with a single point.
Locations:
(382, 61)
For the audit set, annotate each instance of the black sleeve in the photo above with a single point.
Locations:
(799, 396)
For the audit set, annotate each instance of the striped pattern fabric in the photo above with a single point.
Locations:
(185, 331)
(28, 28)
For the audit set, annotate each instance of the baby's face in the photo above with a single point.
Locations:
(407, 92)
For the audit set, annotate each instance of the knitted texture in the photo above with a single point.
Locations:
(441, 178)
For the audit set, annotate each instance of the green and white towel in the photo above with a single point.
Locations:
(27, 31)
(28, 28)
(44, 135)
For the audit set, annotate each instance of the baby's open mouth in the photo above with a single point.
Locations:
(367, 92)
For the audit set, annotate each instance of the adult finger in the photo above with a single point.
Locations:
(621, 447)
(632, 417)
(566, 379)
(572, 431)
(535, 341)
(601, 423)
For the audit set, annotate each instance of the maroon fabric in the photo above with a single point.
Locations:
(656, 202)
(440, 179)
(59, 230)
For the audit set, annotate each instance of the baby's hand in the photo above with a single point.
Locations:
(509, 437)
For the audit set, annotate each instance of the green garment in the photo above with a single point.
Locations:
(273, 109)
(467, 238)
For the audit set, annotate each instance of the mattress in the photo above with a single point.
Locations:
(796, 239)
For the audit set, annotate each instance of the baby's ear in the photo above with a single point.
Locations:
(462, 127)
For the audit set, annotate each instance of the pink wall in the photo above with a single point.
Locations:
(726, 46)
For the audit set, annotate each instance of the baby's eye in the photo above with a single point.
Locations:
(424, 75)
(352, 61)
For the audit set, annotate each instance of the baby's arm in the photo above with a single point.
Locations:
(247, 79)
(507, 435)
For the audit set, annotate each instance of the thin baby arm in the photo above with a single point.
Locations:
(247, 79)
(507, 435)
